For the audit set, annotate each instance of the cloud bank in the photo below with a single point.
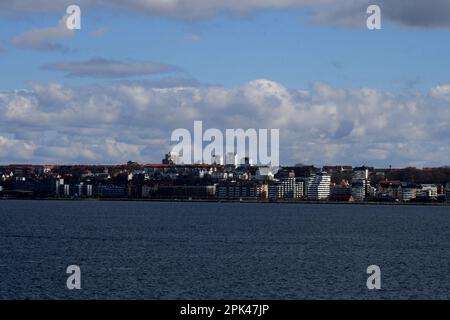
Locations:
(53, 123)
(415, 13)
(105, 68)
(45, 38)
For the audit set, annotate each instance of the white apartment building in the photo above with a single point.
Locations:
(319, 186)
(288, 188)
(429, 190)
(359, 188)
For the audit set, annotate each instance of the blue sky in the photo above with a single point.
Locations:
(229, 50)
(339, 92)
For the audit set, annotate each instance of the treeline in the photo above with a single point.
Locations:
(413, 175)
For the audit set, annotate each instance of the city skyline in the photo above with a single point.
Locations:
(116, 89)
(218, 182)
(240, 162)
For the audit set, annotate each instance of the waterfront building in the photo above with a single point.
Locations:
(82, 190)
(361, 184)
(390, 189)
(185, 192)
(360, 188)
(219, 175)
(319, 186)
(410, 191)
(289, 188)
(236, 190)
(110, 191)
(429, 191)
(359, 193)
(341, 192)
(341, 189)
(59, 187)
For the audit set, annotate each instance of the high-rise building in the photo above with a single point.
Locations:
(59, 187)
(319, 186)
(360, 184)
(359, 188)
(289, 188)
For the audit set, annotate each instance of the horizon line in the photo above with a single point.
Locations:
(214, 165)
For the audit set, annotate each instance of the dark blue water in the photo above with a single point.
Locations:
(222, 251)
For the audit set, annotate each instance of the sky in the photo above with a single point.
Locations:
(137, 70)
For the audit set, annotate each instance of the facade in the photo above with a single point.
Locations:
(341, 192)
(390, 189)
(185, 192)
(359, 193)
(59, 187)
(110, 191)
(236, 190)
(289, 188)
(410, 191)
(319, 186)
(429, 190)
(83, 190)
(360, 188)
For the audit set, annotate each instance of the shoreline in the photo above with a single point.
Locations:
(360, 203)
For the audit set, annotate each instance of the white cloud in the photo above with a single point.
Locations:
(441, 92)
(132, 120)
(15, 150)
(45, 38)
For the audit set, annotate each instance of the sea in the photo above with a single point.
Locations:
(193, 250)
